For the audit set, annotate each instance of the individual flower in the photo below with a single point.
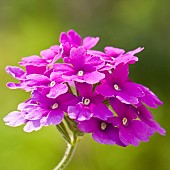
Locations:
(146, 116)
(34, 65)
(102, 131)
(82, 67)
(90, 105)
(117, 84)
(54, 83)
(21, 75)
(40, 111)
(131, 129)
(17, 118)
(49, 57)
(149, 98)
(72, 39)
(112, 53)
(115, 56)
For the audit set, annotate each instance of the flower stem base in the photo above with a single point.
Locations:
(67, 157)
(71, 134)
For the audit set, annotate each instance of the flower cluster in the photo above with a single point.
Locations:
(90, 87)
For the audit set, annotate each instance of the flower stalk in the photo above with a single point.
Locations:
(72, 135)
(67, 156)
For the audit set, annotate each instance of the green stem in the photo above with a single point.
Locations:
(61, 128)
(68, 129)
(69, 88)
(67, 156)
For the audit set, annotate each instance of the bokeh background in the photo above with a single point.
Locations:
(27, 27)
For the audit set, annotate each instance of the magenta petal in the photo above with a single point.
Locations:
(150, 98)
(55, 48)
(127, 58)
(133, 89)
(151, 102)
(102, 138)
(47, 54)
(74, 37)
(156, 127)
(12, 85)
(33, 60)
(122, 109)
(93, 77)
(34, 112)
(37, 96)
(133, 52)
(113, 52)
(101, 111)
(105, 90)
(95, 62)
(127, 99)
(32, 125)
(54, 76)
(128, 138)
(53, 117)
(57, 90)
(114, 135)
(141, 130)
(89, 126)
(117, 106)
(120, 73)
(72, 78)
(84, 89)
(96, 53)
(108, 136)
(79, 112)
(124, 59)
(37, 80)
(30, 69)
(63, 68)
(78, 57)
(106, 67)
(14, 119)
(15, 72)
(144, 113)
(66, 100)
(64, 38)
(21, 85)
(90, 42)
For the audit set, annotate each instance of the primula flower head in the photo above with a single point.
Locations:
(90, 88)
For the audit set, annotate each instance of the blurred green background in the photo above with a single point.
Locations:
(27, 27)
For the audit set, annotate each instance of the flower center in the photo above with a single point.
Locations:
(52, 84)
(54, 106)
(86, 102)
(116, 87)
(124, 121)
(103, 126)
(80, 73)
(49, 66)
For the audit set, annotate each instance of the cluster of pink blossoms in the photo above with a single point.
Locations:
(90, 87)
